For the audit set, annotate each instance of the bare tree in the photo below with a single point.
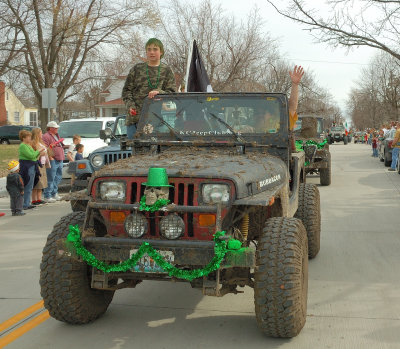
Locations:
(236, 53)
(349, 23)
(61, 35)
(376, 99)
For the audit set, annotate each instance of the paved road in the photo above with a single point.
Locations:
(354, 287)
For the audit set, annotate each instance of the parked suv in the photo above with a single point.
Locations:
(241, 196)
(385, 148)
(88, 129)
(10, 133)
(83, 169)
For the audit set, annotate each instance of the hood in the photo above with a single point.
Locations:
(251, 173)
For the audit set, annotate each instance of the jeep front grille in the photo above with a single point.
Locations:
(182, 193)
(112, 157)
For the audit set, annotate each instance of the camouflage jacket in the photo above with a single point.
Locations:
(137, 87)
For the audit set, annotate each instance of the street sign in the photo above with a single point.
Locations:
(49, 98)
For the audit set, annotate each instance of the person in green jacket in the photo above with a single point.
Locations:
(28, 166)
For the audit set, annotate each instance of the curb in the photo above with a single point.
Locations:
(3, 191)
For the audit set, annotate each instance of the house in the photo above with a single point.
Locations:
(113, 104)
(15, 111)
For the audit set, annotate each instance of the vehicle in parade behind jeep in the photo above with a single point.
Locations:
(359, 137)
(337, 134)
(83, 169)
(229, 208)
(309, 130)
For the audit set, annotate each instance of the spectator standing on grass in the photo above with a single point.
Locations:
(15, 188)
(395, 151)
(44, 163)
(76, 139)
(29, 168)
(56, 155)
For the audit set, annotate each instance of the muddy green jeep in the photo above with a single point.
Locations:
(309, 132)
(212, 196)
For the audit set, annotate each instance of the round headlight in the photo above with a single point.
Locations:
(136, 225)
(172, 226)
(97, 161)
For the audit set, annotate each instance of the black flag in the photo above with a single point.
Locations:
(197, 78)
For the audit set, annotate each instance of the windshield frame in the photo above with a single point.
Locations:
(280, 137)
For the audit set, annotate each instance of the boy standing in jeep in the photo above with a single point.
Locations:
(146, 79)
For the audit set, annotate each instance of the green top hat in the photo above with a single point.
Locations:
(157, 177)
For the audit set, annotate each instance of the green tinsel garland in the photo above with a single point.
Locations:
(153, 208)
(220, 249)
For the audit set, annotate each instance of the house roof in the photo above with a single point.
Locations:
(114, 102)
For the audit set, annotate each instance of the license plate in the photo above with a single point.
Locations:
(147, 264)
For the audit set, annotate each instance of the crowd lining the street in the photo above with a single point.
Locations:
(39, 168)
(374, 137)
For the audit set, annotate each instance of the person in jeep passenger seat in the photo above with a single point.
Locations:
(54, 174)
(295, 76)
(146, 80)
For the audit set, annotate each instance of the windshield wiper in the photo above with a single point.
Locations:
(168, 125)
(237, 136)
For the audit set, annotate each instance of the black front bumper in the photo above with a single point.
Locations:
(186, 253)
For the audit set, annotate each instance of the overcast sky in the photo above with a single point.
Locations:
(334, 69)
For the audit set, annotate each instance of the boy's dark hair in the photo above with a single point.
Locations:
(79, 147)
(155, 42)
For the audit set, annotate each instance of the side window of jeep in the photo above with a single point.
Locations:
(120, 129)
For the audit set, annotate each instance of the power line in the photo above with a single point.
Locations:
(330, 62)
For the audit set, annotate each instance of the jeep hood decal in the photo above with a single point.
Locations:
(251, 173)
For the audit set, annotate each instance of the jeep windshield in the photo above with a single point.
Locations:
(337, 129)
(233, 117)
(85, 129)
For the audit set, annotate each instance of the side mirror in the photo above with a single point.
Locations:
(106, 133)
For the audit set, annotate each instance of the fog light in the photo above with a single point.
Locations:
(136, 225)
(172, 226)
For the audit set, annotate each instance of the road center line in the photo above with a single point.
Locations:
(20, 316)
(12, 336)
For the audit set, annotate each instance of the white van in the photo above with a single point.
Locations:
(88, 129)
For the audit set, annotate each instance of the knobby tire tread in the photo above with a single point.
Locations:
(281, 278)
(65, 284)
(309, 212)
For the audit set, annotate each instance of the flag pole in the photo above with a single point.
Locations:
(189, 59)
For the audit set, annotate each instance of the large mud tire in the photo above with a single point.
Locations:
(309, 212)
(325, 174)
(281, 278)
(65, 282)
